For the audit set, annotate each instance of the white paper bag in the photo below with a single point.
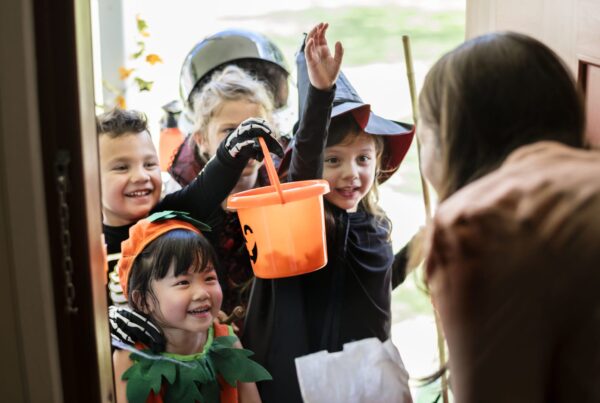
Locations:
(366, 371)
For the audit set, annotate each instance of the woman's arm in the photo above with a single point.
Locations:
(121, 363)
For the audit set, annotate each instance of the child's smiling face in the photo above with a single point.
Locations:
(130, 177)
(186, 303)
(350, 167)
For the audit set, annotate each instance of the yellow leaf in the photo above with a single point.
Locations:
(153, 58)
(124, 73)
(145, 34)
(120, 102)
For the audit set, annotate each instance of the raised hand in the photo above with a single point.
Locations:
(242, 143)
(130, 327)
(323, 68)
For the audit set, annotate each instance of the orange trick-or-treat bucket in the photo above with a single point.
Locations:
(283, 224)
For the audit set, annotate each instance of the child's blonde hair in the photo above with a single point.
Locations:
(229, 84)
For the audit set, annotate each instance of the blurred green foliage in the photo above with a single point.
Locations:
(373, 33)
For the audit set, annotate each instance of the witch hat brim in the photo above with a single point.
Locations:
(398, 136)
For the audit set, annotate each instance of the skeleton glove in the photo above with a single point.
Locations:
(242, 144)
(129, 327)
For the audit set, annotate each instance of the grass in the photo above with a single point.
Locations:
(409, 173)
(370, 34)
(410, 299)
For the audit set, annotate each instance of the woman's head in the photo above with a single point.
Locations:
(168, 272)
(229, 98)
(351, 163)
(488, 97)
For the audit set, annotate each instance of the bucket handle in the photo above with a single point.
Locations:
(271, 171)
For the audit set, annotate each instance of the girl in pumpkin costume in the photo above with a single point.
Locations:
(167, 272)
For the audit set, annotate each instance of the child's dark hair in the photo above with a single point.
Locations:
(117, 122)
(492, 95)
(181, 248)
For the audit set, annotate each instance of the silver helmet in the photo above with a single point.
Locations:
(250, 50)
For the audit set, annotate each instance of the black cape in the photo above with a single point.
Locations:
(349, 299)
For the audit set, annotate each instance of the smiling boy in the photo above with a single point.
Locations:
(131, 180)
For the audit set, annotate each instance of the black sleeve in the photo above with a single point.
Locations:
(310, 139)
(399, 266)
(206, 193)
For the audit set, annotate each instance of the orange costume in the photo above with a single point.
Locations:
(208, 376)
(228, 393)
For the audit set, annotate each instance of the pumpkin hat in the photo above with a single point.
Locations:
(147, 230)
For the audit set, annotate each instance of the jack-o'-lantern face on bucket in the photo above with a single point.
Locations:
(251, 243)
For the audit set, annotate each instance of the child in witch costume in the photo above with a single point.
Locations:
(167, 270)
(349, 299)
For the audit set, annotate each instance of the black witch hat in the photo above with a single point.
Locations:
(398, 136)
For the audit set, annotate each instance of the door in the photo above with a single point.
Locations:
(56, 347)
(569, 27)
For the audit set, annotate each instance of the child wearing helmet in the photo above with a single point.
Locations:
(252, 52)
(226, 78)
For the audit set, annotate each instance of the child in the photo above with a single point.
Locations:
(230, 96)
(168, 272)
(219, 105)
(349, 299)
(131, 181)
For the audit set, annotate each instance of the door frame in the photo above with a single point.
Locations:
(50, 235)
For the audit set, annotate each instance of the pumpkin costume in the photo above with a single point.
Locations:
(207, 376)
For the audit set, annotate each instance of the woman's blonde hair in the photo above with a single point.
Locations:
(229, 84)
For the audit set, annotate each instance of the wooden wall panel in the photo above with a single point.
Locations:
(589, 74)
(570, 27)
(587, 40)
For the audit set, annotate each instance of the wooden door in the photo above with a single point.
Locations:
(569, 27)
(55, 343)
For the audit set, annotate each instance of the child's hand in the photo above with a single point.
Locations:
(242, 143)
(237, 313)
(323, 69)
(130, 327)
